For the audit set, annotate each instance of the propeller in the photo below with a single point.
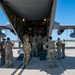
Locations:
(72, 35)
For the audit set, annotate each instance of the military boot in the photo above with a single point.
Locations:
(11, 65)
(23, 64)
(63, 57)
(26, 63)
(59, 58)
(56, 65)
(2, 63)
(7, 65)
(50, 65)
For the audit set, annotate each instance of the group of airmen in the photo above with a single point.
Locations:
(60, 46)
(31, 45)
(6, 52)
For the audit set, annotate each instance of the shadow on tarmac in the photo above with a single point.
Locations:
(42, 66)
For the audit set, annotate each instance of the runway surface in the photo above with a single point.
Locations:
(40, 67)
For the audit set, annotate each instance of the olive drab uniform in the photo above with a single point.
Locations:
(27, 50)
(2, 53)
(59, 46)
(8, 53)
(50, 46)
(63, 49)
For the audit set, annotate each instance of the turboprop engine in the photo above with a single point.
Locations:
(60, 31)
(72, 35)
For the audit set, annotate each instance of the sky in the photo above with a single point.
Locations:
(65, 15)
(4, 21)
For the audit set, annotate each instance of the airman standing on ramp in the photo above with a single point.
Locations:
(27, 50)
(63, 48)
(50, 46)
(34, 47)
(8, 52)
(59, 46)
(2, 51)
(39, 39)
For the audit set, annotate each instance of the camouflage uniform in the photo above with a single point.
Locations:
(27, 50)
(63, 49)
(50, 46)
(34, 47)
(30, 39)
(44, 39)
(35, 38)
(8, 53)
(39, 39)
(2, 52)
(59, 46)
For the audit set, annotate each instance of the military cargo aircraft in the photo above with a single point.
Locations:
(32, 17)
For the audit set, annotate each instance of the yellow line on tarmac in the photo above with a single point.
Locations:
(19, 70)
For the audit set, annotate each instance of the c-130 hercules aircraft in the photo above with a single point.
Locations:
(32, 17)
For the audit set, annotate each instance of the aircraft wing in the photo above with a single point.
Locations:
(8, 27)
(58, 26)
(62, 28)
(67, 27)
(5, 27)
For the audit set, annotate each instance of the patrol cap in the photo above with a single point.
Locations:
(25, 36)
(50, 37)
(3, 39)
(58, 38)
(8, 38)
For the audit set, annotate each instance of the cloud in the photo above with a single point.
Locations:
(7, 23)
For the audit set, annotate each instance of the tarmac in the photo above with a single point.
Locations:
(38, 67)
